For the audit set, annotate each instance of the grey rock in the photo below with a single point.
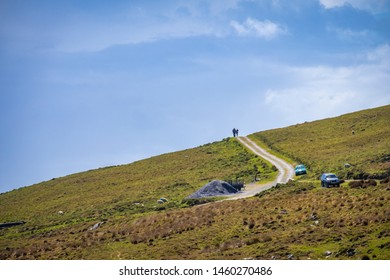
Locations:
(96, 226)
(314, 217)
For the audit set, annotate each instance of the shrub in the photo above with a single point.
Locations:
(385, 181)
(356, 184)
(251, 224)
(370, 183)
(252, 241)
(266, 238)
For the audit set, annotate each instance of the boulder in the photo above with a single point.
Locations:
(96, 226)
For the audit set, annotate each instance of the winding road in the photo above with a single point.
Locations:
(286, 170)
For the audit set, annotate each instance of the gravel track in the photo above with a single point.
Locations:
(286, 170)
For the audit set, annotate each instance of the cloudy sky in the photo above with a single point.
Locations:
(87, 84)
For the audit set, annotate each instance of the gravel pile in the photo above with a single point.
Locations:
(214, 188)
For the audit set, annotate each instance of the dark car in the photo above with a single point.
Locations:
(329, 179)
(300, 170)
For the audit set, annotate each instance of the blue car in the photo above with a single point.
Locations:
(300, 170)
(329, 179)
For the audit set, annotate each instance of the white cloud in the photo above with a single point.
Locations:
(239, 28)
(251, 27)
(380, 55)
(369, 5)
(351, 35)
(95, 36)
(323, 91)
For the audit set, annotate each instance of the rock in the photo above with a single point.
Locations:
(328, 253)
(162, 200)
(60, 213)
(314, 217)
(351, 252)
(11, 224)
(290, 256)
(96, 226)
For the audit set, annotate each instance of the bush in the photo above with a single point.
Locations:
(197, 201)
(370, 183)
(385, 181)
(356, 184)
(362, 183)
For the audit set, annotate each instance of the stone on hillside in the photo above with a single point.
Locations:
(96, 226)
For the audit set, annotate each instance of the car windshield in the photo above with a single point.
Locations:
(331, 176)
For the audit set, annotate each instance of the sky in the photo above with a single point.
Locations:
(88, 84)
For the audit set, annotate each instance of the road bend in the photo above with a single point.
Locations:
(286, 170)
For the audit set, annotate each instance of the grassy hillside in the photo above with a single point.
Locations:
(121, 192)
(361, 139)
(294, 221)
(299, 220)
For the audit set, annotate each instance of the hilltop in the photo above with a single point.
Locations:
(360, 139)
(114, 213)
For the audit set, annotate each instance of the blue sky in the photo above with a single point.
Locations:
(87, 84)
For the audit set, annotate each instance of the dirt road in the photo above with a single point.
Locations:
(286, 170)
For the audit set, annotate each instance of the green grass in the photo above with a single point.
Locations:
(352, 222)
(275, 224)
(361, 139)
(126, 191)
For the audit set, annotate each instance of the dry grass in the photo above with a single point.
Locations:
(301, 220)
(120, 193)
(327, 145)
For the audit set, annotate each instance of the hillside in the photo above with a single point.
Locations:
(112, 193)
(361, 139)
(294, 221)
(113, 213)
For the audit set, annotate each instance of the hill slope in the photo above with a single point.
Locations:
(361, 139)
(299, 220)
(122, 191)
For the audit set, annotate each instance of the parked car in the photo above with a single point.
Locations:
(300, 170)
(329, 179)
